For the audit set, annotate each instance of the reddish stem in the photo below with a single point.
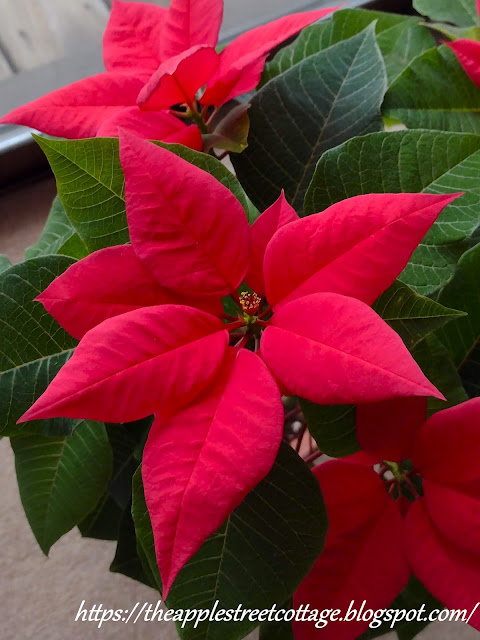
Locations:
(235, 325)
(312, 457)
(265, 312)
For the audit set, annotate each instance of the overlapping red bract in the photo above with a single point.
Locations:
(162, 57)
(468, 54)
(160, 344)
(436, 538)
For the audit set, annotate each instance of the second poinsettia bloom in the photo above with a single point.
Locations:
(155, 338)
(468, 54)
(160, 57)
(419, 514)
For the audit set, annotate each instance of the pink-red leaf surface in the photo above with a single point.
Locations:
(387, 429)
(186, 227)
(78, 110)
(107, 283)
(154, 359)
(360, 561)
(190, 22)
(261, 232)
(450, 574)
(356, 247)
(132, 38)
(331, 349)
(199, 465)
(178, 79)
(468, 54)
(242, 61)
(152, 125)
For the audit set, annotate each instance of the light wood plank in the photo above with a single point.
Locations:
(35, 32)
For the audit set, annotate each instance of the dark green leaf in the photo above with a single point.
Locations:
(127, 561)
(258, 557)
(462, 337)
(4, 263)
(103, 522)
(448, 99)
(317, 104)
(33, 345)
(124, 439)
(435, 362)
(411, 315)
(333, 428)
(277, 630)
(410, 161)
(400, 38)
(61, 479)
(59, 236)
(90, 184)
(460, 12)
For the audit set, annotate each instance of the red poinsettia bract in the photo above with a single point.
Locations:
(377, 537)
(155, 338)
(176, 45)
(468, 54)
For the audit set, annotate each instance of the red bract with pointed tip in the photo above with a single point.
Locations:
(162, 58)
(376, 532)
(160, 343)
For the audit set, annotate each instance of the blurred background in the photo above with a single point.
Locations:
(46, 44)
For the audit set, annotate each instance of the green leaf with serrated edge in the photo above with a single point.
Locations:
(410, 162)
(411, 315)
(257, 558)
(400, 38)
(435, 362)
(61, 479)
(448, 100)
(314, 106)
(4, 263)
(277, 630)
(462, 13)
(33, 346)
(58, 236)
(333, 427)
(462, 338)
(103, 523)
(413, 597)
(90, 185)
(126, 560)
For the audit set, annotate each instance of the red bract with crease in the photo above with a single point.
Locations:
(165, 57)
(155, 338)
(388, 522)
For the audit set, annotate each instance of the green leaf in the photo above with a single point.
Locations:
(61, 479)
(126, 560)
(257, 558)
(463, 13)
(400, 38)
(448, 100)
(33, 345)
(411, 315)
(103, 523)
(59, 236)
(90, 184)
(410, 161)
(277, 630)
(462, 338)
(333, 427)
(435, 362)
(317, 104)
(4, 263)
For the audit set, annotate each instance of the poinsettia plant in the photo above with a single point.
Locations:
(190, 342)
